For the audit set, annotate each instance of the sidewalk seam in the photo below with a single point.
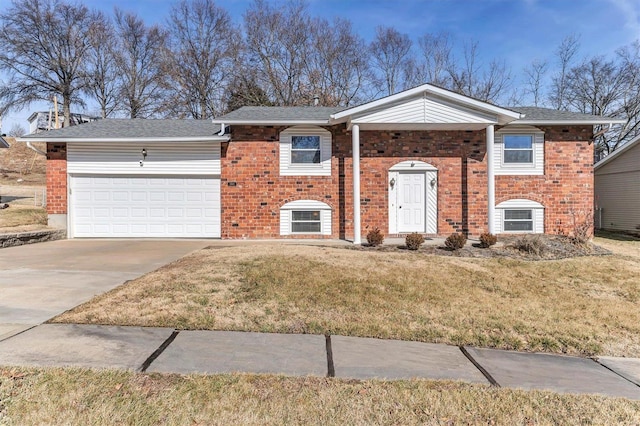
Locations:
(158, 351)
(484, 372)
(331, 371)
(614, 372)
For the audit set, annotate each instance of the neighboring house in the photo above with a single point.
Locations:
(617, 189)
(425, 160)
(3, 143)
(42, 121)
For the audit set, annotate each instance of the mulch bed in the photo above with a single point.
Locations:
(551, 247)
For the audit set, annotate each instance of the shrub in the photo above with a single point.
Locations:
(531, 244)
(414, 241)
(582, 227)
(375, 237)
(487, 240)
(455, 241)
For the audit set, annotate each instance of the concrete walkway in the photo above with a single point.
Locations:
(169, 351)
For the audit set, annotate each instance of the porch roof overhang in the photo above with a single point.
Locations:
(425, 107)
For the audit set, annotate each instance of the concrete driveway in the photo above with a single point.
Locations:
(40, 281)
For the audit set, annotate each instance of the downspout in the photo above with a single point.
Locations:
(603, 131)
(222, 129)
(36, 149)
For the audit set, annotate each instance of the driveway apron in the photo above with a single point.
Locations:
(40, 281)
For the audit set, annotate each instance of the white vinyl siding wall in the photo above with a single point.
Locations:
(305, 205)
(520, 204)
(311, 169)
(162, 158)
(617, 192)
(502, 168)
(425, 110)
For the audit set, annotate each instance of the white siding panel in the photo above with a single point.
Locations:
(432, 203)
(162, 159)
(519, 170)
(325, 215)
(628, 161)
(424, 110)
(145, 206)
(321, 169)
(618, 195)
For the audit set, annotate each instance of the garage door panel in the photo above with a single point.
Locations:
(145, 206)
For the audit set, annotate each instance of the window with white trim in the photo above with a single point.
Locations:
(304, 217)
(519, 216)
(305, 221)
(519, 151)
(305, 151)
(519, 220)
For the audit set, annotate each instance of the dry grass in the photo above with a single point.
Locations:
(585, 305)
(74, 397)
(20, 162)
(18, 217)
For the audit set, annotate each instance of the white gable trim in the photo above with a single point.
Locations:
(412, 165)
(503, 115)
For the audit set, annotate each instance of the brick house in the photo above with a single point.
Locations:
(425, 160)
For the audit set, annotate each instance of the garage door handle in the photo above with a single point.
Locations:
(399, 207)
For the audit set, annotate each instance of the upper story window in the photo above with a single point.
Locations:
(305, 151)
(519, 151)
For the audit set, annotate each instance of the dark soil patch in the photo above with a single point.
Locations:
(550, 247)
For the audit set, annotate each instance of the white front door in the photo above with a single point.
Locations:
(411, 202)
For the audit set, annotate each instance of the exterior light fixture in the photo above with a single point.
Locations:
(433, 182)
(144, 153)
(392, 182)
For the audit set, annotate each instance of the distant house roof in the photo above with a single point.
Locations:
(122, 130)
(3, 143)
(618, 152)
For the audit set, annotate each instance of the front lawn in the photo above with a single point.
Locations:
(584, 305)
(19, 218)
(85, 397)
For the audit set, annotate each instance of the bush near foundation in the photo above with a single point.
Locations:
(487, 240)
(414, 241)
(375, 237)
(455, 241)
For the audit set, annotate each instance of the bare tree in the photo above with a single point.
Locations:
(535, 73)
(244, 91)
(102, 72)
(335, 67)
(629, 57)
(17, 131)
(204, 48)
(470, 79)
(565, 54)
(391, 55)
(436, 54)
(141, 51)
(278, 43)
(43, 49)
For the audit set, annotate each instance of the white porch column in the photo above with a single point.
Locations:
(355, 140)
(491, 181)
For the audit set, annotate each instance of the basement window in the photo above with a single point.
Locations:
(305, 222)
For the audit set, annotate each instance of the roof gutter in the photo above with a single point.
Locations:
(214, 138)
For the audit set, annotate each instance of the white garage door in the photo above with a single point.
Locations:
(145, 206)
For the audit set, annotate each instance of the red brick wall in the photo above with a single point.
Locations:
(253, 191)
(56, 178)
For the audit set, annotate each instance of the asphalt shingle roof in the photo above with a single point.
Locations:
(548, 114)
(133, 128)
(262, 113)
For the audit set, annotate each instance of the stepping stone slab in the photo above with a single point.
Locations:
(557, 373)
(394, 359)
(230, 351)
(92, 346)
(629, 368)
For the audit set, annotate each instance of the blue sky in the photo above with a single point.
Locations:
(516, 31)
